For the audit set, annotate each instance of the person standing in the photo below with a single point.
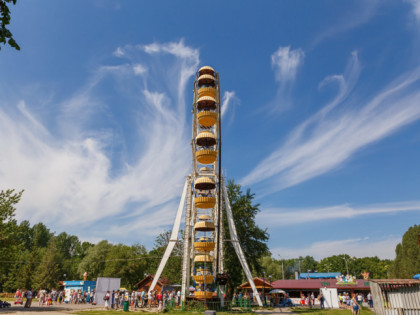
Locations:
(28, 298)
(321, 300)
(370, 301)
(106, 299)
(41, 297)
(360, 299)
(117, 299)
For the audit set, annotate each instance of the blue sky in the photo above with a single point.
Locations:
(321, 109)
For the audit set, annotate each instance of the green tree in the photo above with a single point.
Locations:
(41, 235)
(8, 232)
(172, 269)
(308, 263)
(6, 35)
(126, 262)
(71, 251)
(95, 260)
(272, 267)
(407, 260)
(251, 237)
(48, 272)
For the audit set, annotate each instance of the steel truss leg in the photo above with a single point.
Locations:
(237, 246)
(174, 235)
(188, 241)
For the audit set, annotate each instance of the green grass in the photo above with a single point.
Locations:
(110, 312)
(315, 311)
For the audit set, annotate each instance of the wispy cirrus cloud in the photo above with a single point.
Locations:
(285, 217)
(82, 171)
(285, 63)
(339, 130)
(361, 13)
(416, 8)
(229, 98)
(356, 247)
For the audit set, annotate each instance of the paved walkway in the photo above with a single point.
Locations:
(276, 310)
(58, 309)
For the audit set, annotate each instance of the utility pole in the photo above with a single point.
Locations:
(282, 268)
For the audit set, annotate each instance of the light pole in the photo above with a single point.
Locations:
(264, 287)
(282, 267)
(271, 298)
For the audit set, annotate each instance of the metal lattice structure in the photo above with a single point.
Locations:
(202, 197)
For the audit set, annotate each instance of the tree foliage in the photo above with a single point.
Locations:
(251, 237)
(6, 36)
(173, 268)
(407, 260)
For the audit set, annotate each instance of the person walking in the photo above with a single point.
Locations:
(355, 307)
(106, 299)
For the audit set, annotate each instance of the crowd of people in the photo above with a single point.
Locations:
(50, 297)
(139, 299)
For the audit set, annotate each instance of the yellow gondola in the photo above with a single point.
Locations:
(206, 102)
(204, 247)
(206, 70)
(207, 118)
(206, 91)
(204, 202)
(206, 79)
(200, 279)
(204, 226)
(206, 156)
(205, 139)
(203, 258)
(199, 295)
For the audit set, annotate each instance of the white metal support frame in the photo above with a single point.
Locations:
(174, 235)
(237, 246)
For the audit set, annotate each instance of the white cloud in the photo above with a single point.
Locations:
(119, 52)
(285, 217)
(139, 69)
(361, 13)
(228, 98)
(81, 173)
(416, 8)
(339, 130)
(286, 62)
(357, 247)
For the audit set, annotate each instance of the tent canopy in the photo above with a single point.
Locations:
(417, 276)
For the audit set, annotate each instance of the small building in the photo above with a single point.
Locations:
(319, 275)
(76, 285)
(161, 285)
(260, 283)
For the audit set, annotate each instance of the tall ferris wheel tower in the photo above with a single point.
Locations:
(202, 198)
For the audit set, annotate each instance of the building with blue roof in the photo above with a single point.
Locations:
(319, 275)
